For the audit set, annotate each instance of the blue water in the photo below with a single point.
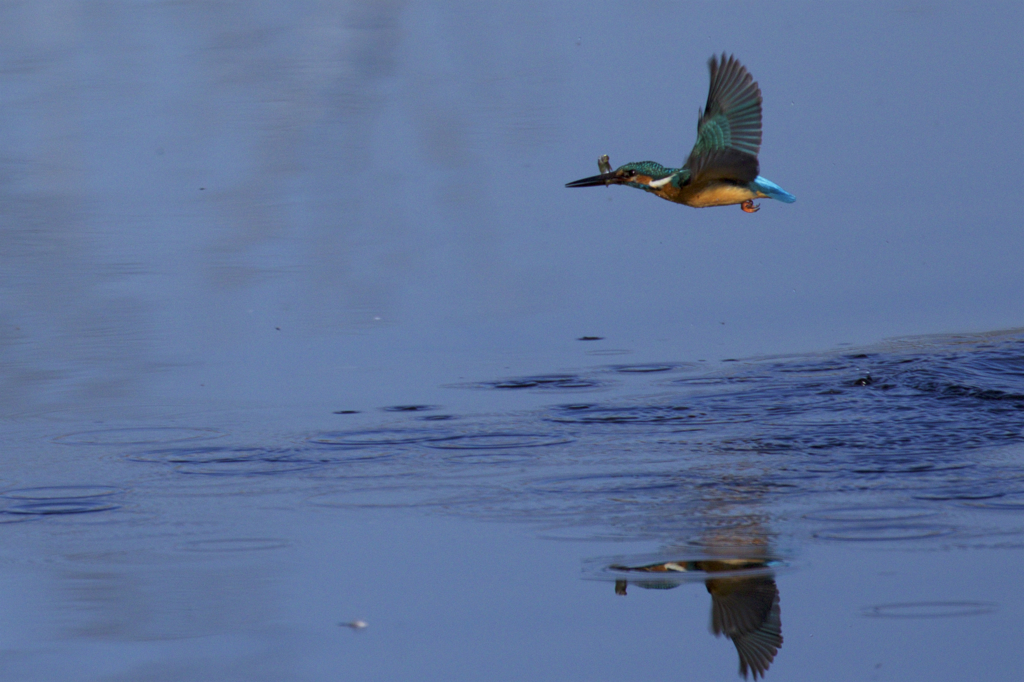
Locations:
(300, 329)
(890, 478)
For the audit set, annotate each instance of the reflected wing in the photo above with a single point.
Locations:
(746, 610)
(729, 130)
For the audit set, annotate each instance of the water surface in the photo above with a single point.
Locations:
(299, 328)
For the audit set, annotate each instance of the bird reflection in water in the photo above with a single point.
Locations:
(744, 603)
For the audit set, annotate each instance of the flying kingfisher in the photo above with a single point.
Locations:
(722, 169)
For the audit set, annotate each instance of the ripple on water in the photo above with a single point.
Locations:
(413, 495)
(890, 532)
(648, 369)
(919, 466)
(879, 515)
(255, 467)
(758, 430)
(607, 484)
(545, 381)
(410, 408)
(609, 351)
(6, 518)
(485, 457)
(1010, 502)
(931, 609)
(138, 436)
(896, 435)
(959, 494)
(607, 414)
(372, 437)
(57, 500)
(678, 417)
(228, 461)
(61, 492)
(209, 454)
(228, 545)
(56, 507)
(498, 441)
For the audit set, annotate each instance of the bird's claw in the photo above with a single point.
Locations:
(749, 206)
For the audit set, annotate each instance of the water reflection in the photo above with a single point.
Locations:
(736, 563)
(138, 597)
(722, 468)
(744, 603)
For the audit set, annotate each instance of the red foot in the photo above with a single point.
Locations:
(749, 206)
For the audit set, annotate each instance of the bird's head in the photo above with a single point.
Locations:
(639, 174)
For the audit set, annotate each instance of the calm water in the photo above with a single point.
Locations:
(291, 308)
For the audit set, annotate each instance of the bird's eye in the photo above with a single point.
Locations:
(631, 172)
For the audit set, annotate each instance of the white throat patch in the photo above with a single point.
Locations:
(658, 184)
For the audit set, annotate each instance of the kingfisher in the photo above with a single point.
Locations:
(722, 168)
(744, 603)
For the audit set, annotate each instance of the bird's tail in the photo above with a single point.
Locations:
(773, 191)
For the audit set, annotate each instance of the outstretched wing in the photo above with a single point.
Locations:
(746, 610)
(729, 130)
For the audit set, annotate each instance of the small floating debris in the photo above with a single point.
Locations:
(355, 625)
(591, 338)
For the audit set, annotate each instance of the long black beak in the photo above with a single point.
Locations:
(612, 178)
